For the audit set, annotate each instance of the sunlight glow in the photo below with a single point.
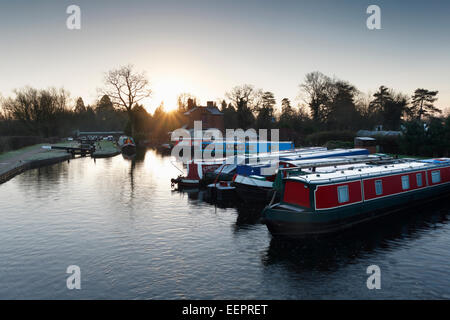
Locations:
(166, 89)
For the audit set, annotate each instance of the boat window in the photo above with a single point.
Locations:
(419, 179)
(405, 182)
(435, 176)
(343, 194)
(378, 187)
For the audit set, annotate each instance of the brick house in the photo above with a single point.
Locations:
(210, 116)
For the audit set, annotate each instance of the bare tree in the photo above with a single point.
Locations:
(245, 95)
(318, 89)
(3, 112)
(245, 100)
(126, 87)
(39, 110)
(446, 112)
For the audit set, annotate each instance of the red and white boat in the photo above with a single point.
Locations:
(196, 170)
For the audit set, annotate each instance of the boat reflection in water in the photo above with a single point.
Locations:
(404, 247)
(381, 236)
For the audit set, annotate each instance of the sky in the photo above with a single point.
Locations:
(208, 47)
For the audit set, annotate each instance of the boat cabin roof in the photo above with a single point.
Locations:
(344, 174)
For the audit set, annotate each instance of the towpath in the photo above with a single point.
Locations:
(13, 159)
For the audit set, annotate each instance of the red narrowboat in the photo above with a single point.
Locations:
(322, 203)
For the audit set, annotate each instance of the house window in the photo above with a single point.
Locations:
(419, 179)
(378, 187)
(435, 176)
(405, 182)
(343, 194)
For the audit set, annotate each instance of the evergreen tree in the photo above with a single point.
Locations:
(387, 108)
(287, 114)
(342, 113)
(265, 111)
(422, 103)
(393, 111)
(79, 107)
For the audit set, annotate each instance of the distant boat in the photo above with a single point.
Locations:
(127, 145)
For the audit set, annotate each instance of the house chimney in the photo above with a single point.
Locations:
(190, 103)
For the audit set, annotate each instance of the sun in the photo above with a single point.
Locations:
(167, 90)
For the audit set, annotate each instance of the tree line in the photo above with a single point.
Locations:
(326, 104)
(49, 113)
(329, 104)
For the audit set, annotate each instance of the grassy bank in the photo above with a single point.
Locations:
(104, 148)
(15, 162)
(11, 143)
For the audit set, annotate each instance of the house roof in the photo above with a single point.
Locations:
(365, 138)
(212, 110)
(368, 133)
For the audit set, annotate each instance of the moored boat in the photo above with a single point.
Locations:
(224, 172)
(221, 191)
(252, 185)
(204, 172)
(195, 172)
(322, 203)
(227, 171)
(127, 145)
(254, 188)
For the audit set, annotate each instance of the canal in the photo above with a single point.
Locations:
(133, 237)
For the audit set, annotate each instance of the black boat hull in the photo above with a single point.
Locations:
(129, 149)
(255, 194)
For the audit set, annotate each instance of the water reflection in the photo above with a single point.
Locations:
(56, 173)
(247, 216)
(135, 237)
(383, 235)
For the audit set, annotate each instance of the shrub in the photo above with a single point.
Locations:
(10, 143)
(336, 144)
(321, 138)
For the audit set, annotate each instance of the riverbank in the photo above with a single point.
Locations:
(15, 162)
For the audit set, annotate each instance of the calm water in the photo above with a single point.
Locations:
(135, 238)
